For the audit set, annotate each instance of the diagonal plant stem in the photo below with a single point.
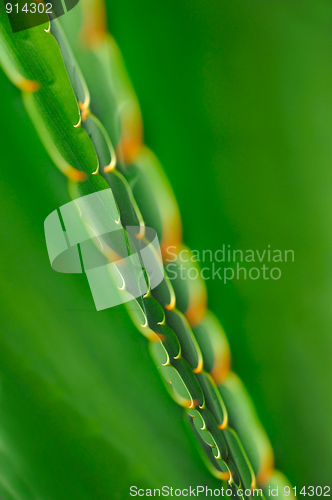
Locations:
(105, 150)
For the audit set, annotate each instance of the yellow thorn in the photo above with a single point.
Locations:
(220, 368)
(84, 107)
(223, 425)
(172, 303)
(74, 174)
(224, 476)
(141, 233)
(28, 85)
(199, 367)
(79, 123)
(265, 468)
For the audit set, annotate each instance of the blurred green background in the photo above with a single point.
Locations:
(237, 104)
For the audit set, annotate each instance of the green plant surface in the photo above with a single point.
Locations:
(244, 92)
(231, 461)
(83, 412)
(163, 322)
(53, 105)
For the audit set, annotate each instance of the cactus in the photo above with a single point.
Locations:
(100, 146)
